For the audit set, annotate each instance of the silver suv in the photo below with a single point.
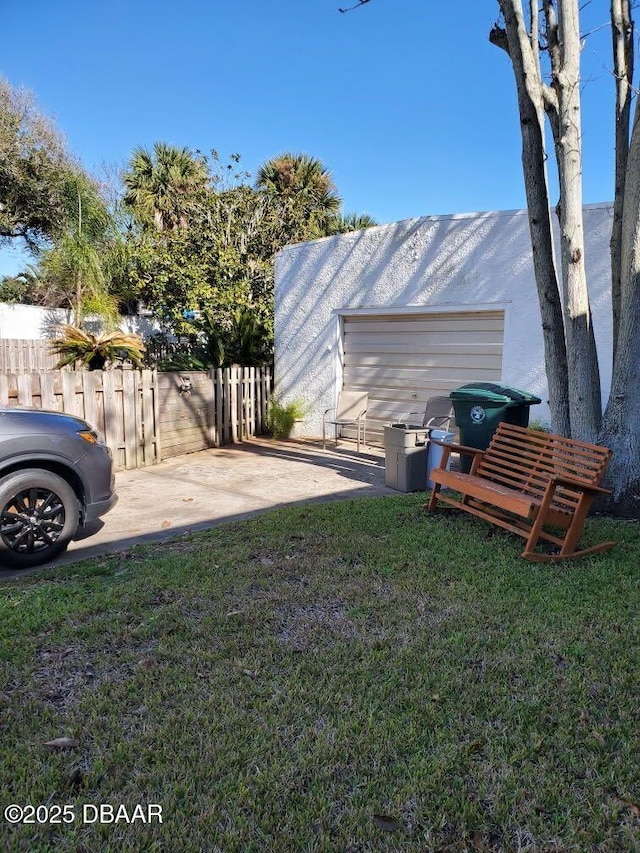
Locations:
(56, 476)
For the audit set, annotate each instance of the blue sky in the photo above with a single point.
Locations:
(405, 101)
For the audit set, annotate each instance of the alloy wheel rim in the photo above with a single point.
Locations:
(32, 520)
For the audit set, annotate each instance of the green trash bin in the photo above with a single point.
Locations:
(481, 406)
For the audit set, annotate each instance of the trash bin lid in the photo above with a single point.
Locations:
(494, 393)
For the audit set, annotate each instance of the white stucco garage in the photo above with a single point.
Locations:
(419, 307)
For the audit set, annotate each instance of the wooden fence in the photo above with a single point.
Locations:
(199, 410)
(145, 416)
(26, 356)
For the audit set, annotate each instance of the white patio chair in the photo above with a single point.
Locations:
(351, 408)
(438, 413)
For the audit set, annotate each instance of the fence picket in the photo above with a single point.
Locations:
(252, 402)
(111, 415)
(90, 397)
(148, 419)
(25, 390)
(69, 393)
(18, 355)
(48, 392)
(4, 390)
(219, 409)
(130, 426)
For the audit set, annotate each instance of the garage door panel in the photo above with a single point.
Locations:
(382, 325)
(423, 360)
(391, 377)
(408, 343)
(402, 360)
(391, 357)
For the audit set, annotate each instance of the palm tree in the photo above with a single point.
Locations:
(343, 223)
(96, 351)
(162, 184)
(305, 190)
(75, 264)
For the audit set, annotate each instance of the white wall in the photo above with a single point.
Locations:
(31, 322)
(443, 263)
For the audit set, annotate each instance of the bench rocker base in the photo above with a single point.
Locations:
(525, 482)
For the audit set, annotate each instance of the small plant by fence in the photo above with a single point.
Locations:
(145, 416)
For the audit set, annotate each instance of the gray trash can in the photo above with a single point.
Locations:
(405, 457)
(435, 451)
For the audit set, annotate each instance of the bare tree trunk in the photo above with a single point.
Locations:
(515, 41)
(78, 306)
(585, 405)
(622, 36)
(620, 428)
(621, 422)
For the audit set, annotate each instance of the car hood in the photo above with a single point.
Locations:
(22, 421)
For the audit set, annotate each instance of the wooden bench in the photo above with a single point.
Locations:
(527, 481)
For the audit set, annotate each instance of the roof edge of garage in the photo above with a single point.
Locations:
(438, 217)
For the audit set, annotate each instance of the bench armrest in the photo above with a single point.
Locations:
(578, 484)
(458, 448)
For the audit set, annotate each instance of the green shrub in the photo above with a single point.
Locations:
(539, 425)
(182, 361)
(281, 417)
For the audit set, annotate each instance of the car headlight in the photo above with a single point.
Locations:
(89, 435)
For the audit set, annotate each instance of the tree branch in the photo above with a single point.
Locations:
(357, 5)
(498, 37)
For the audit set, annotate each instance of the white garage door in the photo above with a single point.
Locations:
(401, 360)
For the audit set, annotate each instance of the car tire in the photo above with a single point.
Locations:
(39, 514)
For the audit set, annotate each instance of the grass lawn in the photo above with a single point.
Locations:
(352, 676)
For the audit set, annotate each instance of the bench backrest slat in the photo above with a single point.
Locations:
(525, 459)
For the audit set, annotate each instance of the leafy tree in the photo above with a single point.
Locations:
(241, 339)
(219, 263)
(35, 172)
(162, 186)
(21, 287)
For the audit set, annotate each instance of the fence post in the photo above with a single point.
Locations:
(226, 414)
(156, 415)
(252, 401)
(266, 384)
(211, 408)
(219, 398)
(233, 372)
(150, 427)
(244, 407)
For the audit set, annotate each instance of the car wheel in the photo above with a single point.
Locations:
(39, 513)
